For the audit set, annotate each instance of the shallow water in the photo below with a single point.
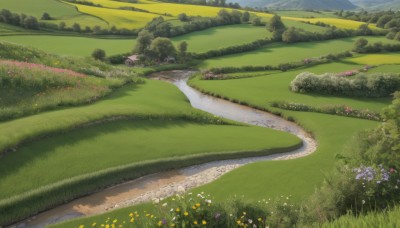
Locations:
(161, 185)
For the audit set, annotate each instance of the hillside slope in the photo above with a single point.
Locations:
(298, 4)
(378, 4)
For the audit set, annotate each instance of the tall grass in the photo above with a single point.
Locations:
(390, 218)
(28, 88)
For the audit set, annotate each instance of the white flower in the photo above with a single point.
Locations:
(208, 201)
(363, 202)
(164, 204)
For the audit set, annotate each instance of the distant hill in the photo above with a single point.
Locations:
(378, 4)
(299, 4)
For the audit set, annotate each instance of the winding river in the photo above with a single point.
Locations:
(161, 185)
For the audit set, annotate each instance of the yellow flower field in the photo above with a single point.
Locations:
(340, 23)
(119, 18)
(378, 59)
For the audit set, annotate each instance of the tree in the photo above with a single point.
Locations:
(96, 29)
(161, 48)
(183, 17)
(246, 16)
(236, 16)
(256, 21)
(291, 35)
(383, 20)
(62, 25)
(360, 44)
(182, 50)
(46, 16)
(99, 54)
(364, 30)
(143, 41)
(30, 23)
(275, 24)
(76, 27)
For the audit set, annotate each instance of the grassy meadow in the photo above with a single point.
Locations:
(221, 37)
(57, 9)
(70, 45)
(277, 53)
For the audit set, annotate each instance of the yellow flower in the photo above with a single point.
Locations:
(204, 222)
(131, 215)
(195, 222)
(194, 207)
(147, 215)
(172, 225)
(178, 209)
(82, 226)
(159, 223)
(94, 224)
(151, 216)
(107, 226)
(238, 222)
(197, 205)
(115, 221)
(259, 219)
(186, 213)
(132, 220)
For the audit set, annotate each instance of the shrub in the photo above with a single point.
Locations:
(340, 110)
(99, 54)
(362, 85)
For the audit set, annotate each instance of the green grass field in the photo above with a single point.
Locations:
(275, 54)
(69, 45)
(132, 142)
(57, 9)
(141, 100)
(223, 36)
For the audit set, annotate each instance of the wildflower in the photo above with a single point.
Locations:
(82, 226)
(131, 215)
(197, 205)
(159, 223)
(204, 222)
(94, 224)
(115, 221)
(178, 209)
(363, 202)
(186, 213)
(132, 220)
(164, 205)
(259, 219)
(195, 222)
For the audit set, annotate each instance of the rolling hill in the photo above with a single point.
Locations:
(298, 4)
(378, 4)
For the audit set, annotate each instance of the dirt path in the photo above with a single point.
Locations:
(161, 185)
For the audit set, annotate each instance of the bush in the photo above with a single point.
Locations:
(99, 54)
(340, 110)
(373, 85)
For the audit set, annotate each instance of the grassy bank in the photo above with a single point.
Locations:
(278, 53)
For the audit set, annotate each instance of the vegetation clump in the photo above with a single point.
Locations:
(362, 85)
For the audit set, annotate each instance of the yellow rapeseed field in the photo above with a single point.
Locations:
(340, 23)
(377, 59)
(119, 18)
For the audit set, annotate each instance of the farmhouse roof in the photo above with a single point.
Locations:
(133, 57)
